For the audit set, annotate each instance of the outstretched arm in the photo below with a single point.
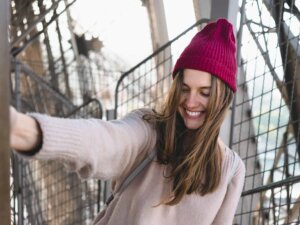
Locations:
(93, 147)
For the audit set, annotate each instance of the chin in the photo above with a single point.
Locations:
(190, 123)
(193, 126)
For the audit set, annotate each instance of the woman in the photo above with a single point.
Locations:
(194, 178)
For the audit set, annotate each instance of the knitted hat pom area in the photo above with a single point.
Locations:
(213, 50)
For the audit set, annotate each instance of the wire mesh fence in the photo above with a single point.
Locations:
(266, 122)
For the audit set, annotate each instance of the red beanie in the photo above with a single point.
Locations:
(212, 50)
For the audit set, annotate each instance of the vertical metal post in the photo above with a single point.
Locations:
(17, 86)
(4, 113)
(238, 60)
(18, 172)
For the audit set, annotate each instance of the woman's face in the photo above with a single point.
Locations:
(194, 97)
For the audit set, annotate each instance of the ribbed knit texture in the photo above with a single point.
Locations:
(111, 149)
(213, 50)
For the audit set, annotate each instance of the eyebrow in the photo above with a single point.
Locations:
(204, 87)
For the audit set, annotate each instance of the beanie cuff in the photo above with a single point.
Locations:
(215, 68)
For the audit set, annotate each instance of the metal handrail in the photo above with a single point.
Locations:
(85, 104)
(288, 181)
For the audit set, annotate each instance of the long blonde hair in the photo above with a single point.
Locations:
(196, 164)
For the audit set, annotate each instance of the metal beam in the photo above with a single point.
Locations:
(219, 9)
(4, 113)
(202, 9)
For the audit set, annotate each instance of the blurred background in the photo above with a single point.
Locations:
(96, 58)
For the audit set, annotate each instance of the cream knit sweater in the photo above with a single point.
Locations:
(110, 150)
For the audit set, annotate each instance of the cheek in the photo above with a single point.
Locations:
(205, 102)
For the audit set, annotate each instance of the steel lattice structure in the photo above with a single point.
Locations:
(265, 113)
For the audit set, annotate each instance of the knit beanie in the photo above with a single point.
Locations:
(212, 50)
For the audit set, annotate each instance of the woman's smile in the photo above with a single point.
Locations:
(194, 114)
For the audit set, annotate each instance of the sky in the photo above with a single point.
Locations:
(123, 25)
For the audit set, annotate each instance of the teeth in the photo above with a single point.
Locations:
(193, 113)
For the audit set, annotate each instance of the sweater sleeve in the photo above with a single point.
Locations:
(96, 148)
(227, 210)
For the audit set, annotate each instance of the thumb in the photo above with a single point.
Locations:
(13, 115)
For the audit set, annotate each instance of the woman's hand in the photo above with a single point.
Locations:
(25, 133)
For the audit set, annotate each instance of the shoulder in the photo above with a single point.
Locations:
(135, 120)
(137, 116)
(233, 165)
(237, 164)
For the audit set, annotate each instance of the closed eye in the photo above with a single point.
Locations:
(204, 91)
(205, 94)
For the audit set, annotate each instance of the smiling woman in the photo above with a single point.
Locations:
(189, 122)
(188, 175)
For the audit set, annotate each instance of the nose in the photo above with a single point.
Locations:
(192, 100)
